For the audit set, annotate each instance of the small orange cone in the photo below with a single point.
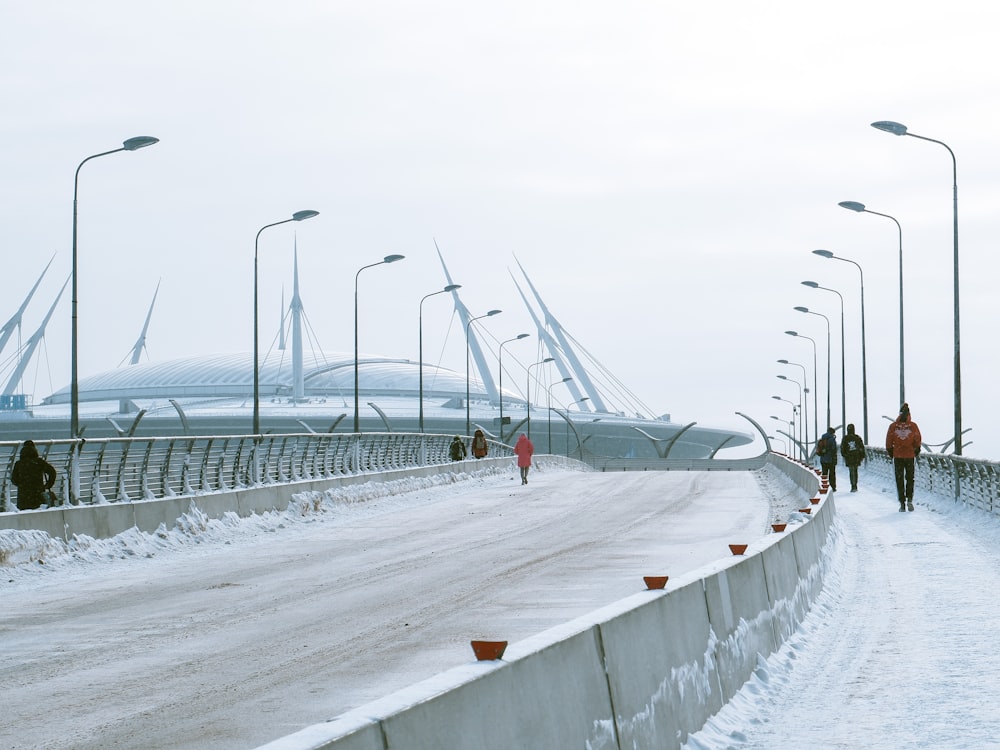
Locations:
(488, 650)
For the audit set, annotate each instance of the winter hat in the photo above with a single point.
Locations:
(850, 428)
(904, 412)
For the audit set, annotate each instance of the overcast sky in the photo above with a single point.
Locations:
(662, 170)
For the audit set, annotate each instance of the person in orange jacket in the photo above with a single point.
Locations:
(479, 446)
(524, 450)
(902, 443)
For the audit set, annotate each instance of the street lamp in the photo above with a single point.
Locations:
(791, 436)
(802, 418)
(843, 354)
(548, 403)
(805, 400)
(386, 259)
(297, 216)
(864, 356)
(132, 144)
(500, 359)
(899, 129)
(468, 418)
(578, 401)
(420, 322)
(813, 312)
(795, 410)
(815, 381)
(527, 389)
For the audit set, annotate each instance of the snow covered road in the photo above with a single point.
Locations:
(900, 649)
(230, 636)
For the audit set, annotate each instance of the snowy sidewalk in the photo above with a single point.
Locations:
(900, 650)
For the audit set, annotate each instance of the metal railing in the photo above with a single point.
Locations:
(970, 481)
(124, 469)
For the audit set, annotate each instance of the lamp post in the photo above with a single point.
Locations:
(386, 259)
(578, 401)
(132, 144)
(784, 444)
(468, 418)
(815, 381)
(527, 389)
(860, 208)
(864, 355)
(297, 216)
(802, 418)
(813, 312)
(420, 323)
(899, 129)
(548, 403)
(795, 410)
(791, 432)
(843, 354)
(500, 365)
(805, 399)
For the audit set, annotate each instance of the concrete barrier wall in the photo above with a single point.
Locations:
(661, 668)
(641, 674)
(106, 520)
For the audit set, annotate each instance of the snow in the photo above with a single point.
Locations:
(230, 633)
(899, 649)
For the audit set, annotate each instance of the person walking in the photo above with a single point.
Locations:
(479, 447)
(853, 451)
(33, 476)
(826, 449)
(524, 450)
(457, 449)
(902, 443)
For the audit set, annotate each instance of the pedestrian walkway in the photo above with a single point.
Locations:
(900, 650)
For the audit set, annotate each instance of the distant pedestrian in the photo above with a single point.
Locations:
(479, 447)
(853, 451)
(33, 476)
(457, 449)
(826, 449)
(902, 443)
(524, 450)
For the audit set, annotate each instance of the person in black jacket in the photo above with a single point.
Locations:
(33, 476)
(826, 449)
(853, 451)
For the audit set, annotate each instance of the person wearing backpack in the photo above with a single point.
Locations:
(479, 447)
(853, 451)
(457, 450)
(826, 449)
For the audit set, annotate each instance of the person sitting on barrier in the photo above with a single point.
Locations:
(33, 476)
(457, 449)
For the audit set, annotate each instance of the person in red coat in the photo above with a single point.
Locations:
(524, 450)
(902, 443)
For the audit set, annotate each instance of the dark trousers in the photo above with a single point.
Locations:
(903, 467)
(852, 469)
(830, 472)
